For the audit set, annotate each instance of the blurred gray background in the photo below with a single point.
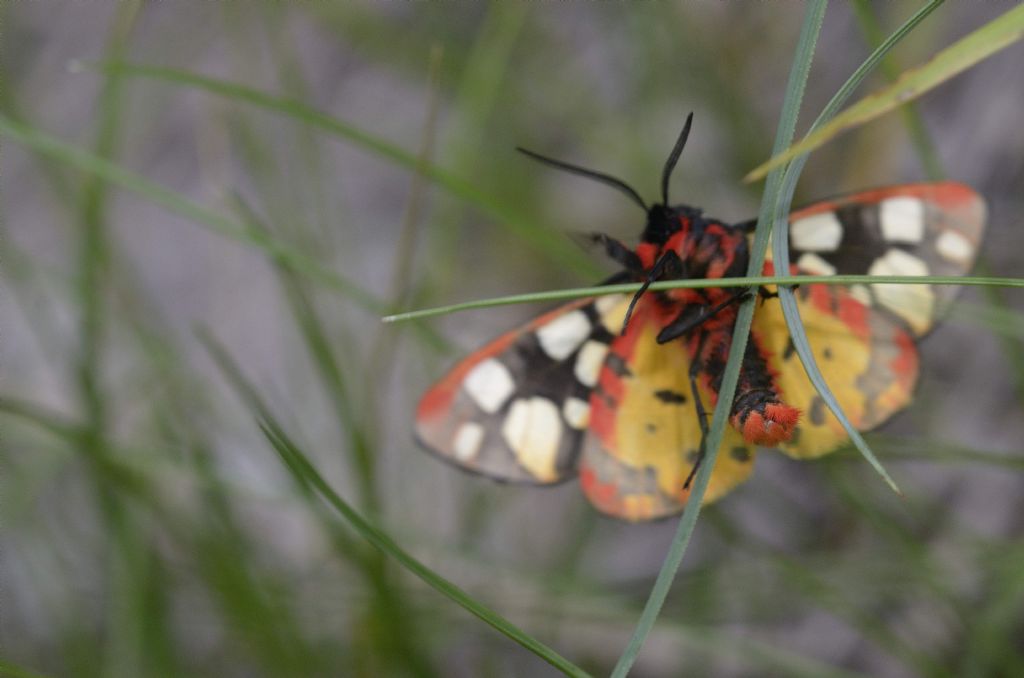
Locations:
(808, 568)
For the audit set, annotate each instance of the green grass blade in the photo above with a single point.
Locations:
(753, 281)
(1009, 326)
(781, 243)
(95, 256)
(806, 354)
(980, 44)
(874, 60)
(813, 17)
(336, 381)
(549, 243)
(14, 671)
(306, 475)
(113, 173)
(912, 120)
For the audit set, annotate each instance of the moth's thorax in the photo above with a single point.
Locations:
(707, 248)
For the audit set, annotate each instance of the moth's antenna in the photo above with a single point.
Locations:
(590, 174)
(673, 158)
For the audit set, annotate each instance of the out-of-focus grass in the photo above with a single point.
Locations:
(150, 528)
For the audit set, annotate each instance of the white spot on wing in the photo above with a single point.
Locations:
(820, 232)
(589, 361)
(815, 265)
(913, 303)
(953, 246)
(533, 429)
(607, 303)
(560, 337)
(898, 262)
(861, 293)
(489, 384)
(902, 219)
(466, 442)
(576, 413)
(612, 310)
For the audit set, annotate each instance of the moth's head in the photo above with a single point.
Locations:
(663, 220)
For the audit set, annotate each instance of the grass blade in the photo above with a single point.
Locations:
(113, 173)
(813, 17)
(752, 281)
(781, 243)
(912, 120)
(306, 475)
(549, 243)
(980, 44)
(14, 671)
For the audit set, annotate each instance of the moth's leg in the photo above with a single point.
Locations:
(702, 416)
(619, 253)
(670, 263)
(689, 319)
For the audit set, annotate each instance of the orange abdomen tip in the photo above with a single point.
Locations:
(768, 428)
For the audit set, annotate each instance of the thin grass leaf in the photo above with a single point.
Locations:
(390, 604)
(699, 641)
(405, 247)
(813, 17)
(914, 124)
(264, 622)
(245, 596)
(806, 354)
(912, 120)
(753, 281)
(980, 44)
(94, 257)
(938, 451)
(485, 71)
(837, 588)
(763, 657)
(802, 580)
(324, 353)
(402, 649)
(549, 243)
(781, 243)
(1009, 325)
(985, 651)
(14, 671)
(306, 474)
(55, 423)
(108, 171)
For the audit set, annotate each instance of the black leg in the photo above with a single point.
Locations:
(619, 252)
(702, 416)
(668, 261)
(686, 321)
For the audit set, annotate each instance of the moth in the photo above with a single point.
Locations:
(616, 389)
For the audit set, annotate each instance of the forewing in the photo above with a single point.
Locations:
(516, 409)
(911, 230)
(644, 433)
(863, 336)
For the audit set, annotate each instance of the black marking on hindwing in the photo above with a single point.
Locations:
(670, 397)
